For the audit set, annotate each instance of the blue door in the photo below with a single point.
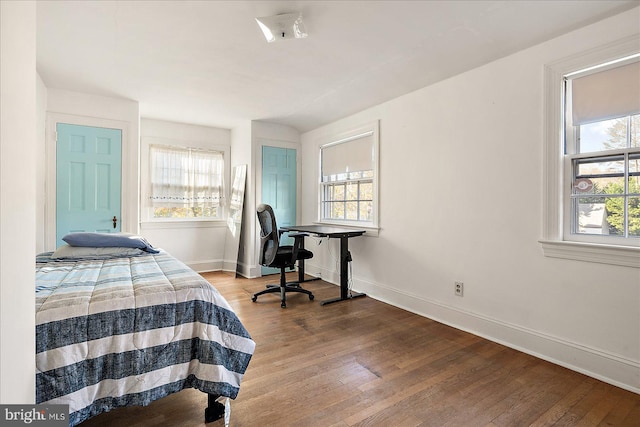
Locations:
(279, 188)
(88, 179)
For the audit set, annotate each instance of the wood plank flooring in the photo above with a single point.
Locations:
(365, 363)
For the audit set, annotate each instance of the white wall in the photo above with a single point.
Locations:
(201, 244)
(461, 200)
(17, 201)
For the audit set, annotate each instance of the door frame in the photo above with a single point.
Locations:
(128, 183)
(260, 142)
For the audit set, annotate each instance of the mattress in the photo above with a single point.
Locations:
(128, 330)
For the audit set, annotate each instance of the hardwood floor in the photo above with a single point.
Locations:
(366, 363)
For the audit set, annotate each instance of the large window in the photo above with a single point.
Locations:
(185, 182)
(590, 156)
(348, 178)
(602, 145)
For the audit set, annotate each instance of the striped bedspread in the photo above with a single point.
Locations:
(127, 331)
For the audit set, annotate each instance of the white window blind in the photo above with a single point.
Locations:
(354, 154)
(185, 177)
(348, 181)
(606, 95)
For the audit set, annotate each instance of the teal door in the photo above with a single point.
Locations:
(88, 179)
(279, 188)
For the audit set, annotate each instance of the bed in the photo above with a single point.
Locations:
(122, 326)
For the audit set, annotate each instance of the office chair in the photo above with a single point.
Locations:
(282, 257)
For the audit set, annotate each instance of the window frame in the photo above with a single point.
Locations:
(555, 177)
(148, 219)
(326, 187)
(573, 158)
(369, 129)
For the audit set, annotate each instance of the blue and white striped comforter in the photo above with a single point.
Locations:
(127, 331)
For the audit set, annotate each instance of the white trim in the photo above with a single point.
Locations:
(146, 209)
(553, 241)
(249, 271)
(603, 67)
(206, 265)
(256, 271)
(348, 139)
(229, 265)
(626, 256)
(367, 129)
(605, 366)
(176, 223)
(129, 179)
(327, 275)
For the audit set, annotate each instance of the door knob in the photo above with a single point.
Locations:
(115, 221)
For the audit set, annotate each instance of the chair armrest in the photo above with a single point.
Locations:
(290, 233)
(296, 235)
(298, 243)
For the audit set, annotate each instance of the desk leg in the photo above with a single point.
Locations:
(345, 259)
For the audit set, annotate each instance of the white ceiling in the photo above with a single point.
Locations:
(206, 62)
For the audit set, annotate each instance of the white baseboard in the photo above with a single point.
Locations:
(610, 368)
(205, 265)
(248, 271)
(323, 273)
(230, 266)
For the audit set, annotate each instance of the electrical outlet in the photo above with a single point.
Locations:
(459, 288)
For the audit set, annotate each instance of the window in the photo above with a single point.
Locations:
(348, 178)
(571, 154)
(602, 144)
(185, 182)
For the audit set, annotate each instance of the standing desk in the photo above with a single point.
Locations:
(345, 256)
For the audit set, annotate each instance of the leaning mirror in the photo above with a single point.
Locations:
(234, 219)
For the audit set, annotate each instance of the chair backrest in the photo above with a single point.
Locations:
(269, 238)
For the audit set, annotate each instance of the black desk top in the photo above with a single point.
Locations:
(325, 230)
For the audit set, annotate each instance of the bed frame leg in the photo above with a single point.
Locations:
(214, 410)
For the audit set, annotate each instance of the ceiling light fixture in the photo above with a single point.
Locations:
(283, 26)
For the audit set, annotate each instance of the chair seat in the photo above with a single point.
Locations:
(283, 256)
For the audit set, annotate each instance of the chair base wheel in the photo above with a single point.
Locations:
(282, 290)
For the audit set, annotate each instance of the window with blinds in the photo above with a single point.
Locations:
(348, 178)
(602, 152)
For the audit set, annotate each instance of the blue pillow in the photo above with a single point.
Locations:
(103, 240)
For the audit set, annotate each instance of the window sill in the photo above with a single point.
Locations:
(626, 256)
(195, 223)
